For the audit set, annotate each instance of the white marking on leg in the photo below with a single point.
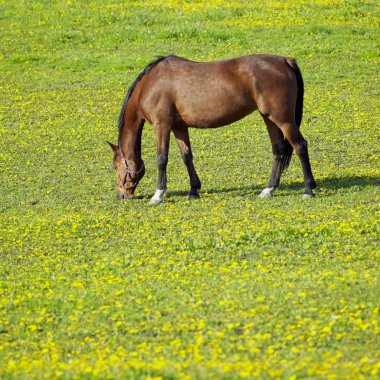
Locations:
(267, 192)
(158, 196)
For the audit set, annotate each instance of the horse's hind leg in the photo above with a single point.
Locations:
(294, 136)
(282, 153)
(183, 140)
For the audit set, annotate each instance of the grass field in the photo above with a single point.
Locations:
(227, 287)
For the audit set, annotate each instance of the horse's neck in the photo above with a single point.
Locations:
(131, 143)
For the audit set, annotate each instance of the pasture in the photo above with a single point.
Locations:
(230, 286)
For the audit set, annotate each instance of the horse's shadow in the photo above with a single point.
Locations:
(330, 184)
(346, 182)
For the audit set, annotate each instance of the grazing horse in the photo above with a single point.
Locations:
(174, 94)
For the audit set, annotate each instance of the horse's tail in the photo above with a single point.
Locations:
(287, 155)
(300, 89)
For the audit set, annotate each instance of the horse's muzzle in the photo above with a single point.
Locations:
(124, 196)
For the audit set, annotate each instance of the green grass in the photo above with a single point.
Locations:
(228, 287)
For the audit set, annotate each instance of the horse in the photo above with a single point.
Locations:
(175, 94)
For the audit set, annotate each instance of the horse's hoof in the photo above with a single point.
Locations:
(155, 201)
(308, 196)
(157, 197)
(193, 196)
(267, 192)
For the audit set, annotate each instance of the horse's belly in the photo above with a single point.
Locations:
(210, 120)
(212, 111)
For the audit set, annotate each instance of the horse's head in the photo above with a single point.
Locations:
(127, 180)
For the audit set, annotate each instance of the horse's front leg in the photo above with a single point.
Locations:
(162, 139)
(183, 140)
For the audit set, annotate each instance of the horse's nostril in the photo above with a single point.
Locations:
(123, 196)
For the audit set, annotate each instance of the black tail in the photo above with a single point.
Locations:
(300, 87)
(287, 155)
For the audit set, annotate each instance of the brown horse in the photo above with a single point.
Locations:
(173, 94)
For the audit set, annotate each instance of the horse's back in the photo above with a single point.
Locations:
(213, 94)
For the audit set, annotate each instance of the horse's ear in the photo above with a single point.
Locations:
(114, 148)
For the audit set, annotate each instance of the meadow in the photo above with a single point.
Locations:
(230, 286)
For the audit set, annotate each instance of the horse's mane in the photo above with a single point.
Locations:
(132, 88)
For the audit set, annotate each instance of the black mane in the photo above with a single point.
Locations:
(132, 88)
